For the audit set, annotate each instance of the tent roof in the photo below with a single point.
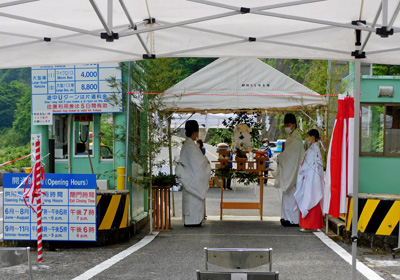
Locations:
(48, 32)
(239, 83)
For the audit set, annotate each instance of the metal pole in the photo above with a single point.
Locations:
(128, 102)
(170, 162)
(150, 151)
(354, 230)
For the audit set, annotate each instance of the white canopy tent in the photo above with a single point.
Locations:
(229, 84)
(48, 32)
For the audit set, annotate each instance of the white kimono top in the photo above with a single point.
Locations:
(310, 180)
(288, 165)
(289, 161)
(194, 172)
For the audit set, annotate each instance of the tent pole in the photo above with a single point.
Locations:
(170, 162)
(128, 103)
(354, 230)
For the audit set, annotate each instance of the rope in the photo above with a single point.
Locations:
(230, 94)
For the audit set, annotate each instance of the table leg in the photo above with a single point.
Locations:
(222, 198)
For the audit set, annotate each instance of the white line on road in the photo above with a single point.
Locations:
(111, 261)
(362, 268)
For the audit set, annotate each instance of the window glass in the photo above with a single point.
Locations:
(83, 135)
(372, 126)
(106, 136)
(60, 134)
(392, 132)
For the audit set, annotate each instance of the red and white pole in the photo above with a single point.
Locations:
(37, 179)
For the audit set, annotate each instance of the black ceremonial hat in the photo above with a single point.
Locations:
(192, 126)
(289, 118)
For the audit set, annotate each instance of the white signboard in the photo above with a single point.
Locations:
(42, 118)
(68, 208)
(76, 89)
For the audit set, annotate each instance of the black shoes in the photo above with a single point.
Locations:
(287, 223)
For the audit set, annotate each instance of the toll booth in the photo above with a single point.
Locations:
(83, 109)
(379, 163)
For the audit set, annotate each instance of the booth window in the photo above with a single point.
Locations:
(392, 130)
(60, 134)
(106, 136)
(380, 130)
(83, 135)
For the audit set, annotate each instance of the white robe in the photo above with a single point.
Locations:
(288, 165)
(194, 172)
(310, 181)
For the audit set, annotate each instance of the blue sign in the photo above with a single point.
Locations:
(68, 208)
(76, 89)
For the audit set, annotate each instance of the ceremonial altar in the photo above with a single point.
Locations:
(243, 166)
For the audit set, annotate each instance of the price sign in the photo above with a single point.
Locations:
(76, 89)
(68, 208)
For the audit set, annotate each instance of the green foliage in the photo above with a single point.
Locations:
(190, 65)
(148, 76)
(22, 119)
(107, 129)
(385, 70)
(165, 180)
(372, 135)
(252, 122)
(240, 153)
(19, 74)
(219, 135)
(241, 176)
(246, 177)
(11, 153)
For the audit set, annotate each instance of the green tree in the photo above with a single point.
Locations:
(22, 119)
(10, 94)
(385, 70)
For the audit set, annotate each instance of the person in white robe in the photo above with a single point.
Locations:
(288, 165)
(194, 172)
(310, 186)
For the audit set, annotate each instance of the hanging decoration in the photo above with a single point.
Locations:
(267, 123)
(339, 175)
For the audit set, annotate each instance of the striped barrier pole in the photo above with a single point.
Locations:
(38, 201)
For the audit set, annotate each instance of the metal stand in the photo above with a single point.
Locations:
(395, 250)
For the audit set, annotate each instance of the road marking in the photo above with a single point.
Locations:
(382, 263)
(207, 151)
(111, 261)
(362, 268)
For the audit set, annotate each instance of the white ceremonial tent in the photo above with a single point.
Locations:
(230, 84)
(48, 32)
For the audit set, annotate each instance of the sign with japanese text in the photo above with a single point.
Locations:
(68, 208)
(42, 118)
(76, 89)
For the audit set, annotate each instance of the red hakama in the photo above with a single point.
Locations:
(314, 218)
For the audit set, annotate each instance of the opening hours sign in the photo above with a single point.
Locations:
(68, 208)
(75, 89)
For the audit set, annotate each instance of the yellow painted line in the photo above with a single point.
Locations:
(367, 213)
(98, 199)
(110, 214)
(390, 221)
(349, 215)
(124, 220)
(212, 154)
